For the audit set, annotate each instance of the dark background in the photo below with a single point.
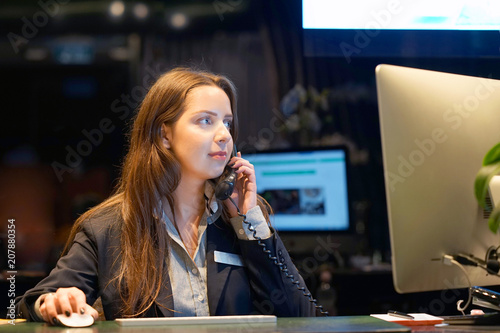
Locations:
(73, 75)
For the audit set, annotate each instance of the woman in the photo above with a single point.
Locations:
(163, 245)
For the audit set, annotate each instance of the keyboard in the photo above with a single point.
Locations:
(165, 321)
(490, 318)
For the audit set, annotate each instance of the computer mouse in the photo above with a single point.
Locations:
(75, 320)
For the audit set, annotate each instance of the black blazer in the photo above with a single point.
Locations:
(258, 288)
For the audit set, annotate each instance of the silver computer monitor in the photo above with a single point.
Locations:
(436, 128)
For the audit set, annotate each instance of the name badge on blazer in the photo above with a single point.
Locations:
(228, 258)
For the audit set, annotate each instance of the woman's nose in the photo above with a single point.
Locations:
(223, 134)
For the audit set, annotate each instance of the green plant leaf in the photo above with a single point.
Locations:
(482, 181)
(493, 155)
(494, 220)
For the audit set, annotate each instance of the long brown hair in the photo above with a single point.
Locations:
(150, 173)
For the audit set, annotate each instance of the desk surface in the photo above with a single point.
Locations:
(321, 324)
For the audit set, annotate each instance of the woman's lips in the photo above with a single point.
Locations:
(220, 155)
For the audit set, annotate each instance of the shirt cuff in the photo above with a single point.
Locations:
(255, 217)
(36, 307)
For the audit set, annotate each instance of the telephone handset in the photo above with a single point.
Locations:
(225, 187)
(223, 191)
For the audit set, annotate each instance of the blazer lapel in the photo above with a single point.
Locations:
(217, 279)
(217, 274)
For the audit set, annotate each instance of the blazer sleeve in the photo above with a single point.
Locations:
(78, 268)
(276, 293)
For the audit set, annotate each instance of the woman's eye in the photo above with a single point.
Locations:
(228, 123)
(205, 121)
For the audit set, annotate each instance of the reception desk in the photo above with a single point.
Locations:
(320, 324)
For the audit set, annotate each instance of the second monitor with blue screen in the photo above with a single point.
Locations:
(307, 189)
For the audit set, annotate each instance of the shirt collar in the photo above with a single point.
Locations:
(214, 206)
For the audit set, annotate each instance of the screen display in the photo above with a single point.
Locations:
(306, 189)
(402, 14)
(401, 28)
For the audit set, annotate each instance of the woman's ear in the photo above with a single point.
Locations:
(166, 134)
